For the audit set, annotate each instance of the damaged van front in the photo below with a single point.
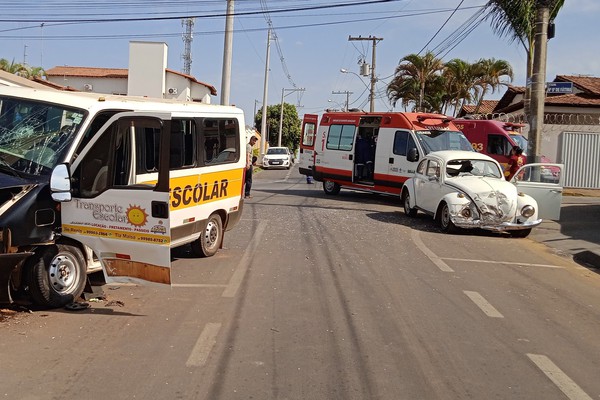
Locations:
(35, 136)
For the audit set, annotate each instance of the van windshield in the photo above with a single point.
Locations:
(521, 142)
(34, 136)
(443, 140)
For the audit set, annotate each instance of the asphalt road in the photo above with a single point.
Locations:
(317, 297)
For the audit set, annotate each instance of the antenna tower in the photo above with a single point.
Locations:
(188, 24)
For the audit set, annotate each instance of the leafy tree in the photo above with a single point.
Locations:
(291, 125)
(421, 70)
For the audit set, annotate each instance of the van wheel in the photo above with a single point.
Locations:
(209, 241)
(331, 188)
(56, 275)
(446, 224)
(411, 212)
(521, 233)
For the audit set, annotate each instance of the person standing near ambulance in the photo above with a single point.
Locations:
(249, 167)
(515, 162)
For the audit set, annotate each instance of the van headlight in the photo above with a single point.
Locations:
(527, 211)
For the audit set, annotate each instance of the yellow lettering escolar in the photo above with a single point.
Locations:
(198, 193)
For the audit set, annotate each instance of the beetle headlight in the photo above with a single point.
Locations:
(466, 212)
(527, 211)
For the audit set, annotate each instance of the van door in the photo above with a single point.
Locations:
(544, 183)
(307, 144)
(124, 223)
(398, 168)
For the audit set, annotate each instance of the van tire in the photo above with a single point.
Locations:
(331, 188)
(56, 275)
(210, 239)
(411, 212)
(443, 216)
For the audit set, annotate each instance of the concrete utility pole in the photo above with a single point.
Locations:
(227, 55)
(373, 78)
(281, 113)
(188, 23)
(538, 79)
(347, 93)
(263, 125)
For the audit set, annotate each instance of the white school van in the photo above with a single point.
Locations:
(371, 151)
(89, 179)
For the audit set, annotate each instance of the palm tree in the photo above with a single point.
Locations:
(516, 20)
(490, 71)
(419, 69)
(12, 67)
(461, 82)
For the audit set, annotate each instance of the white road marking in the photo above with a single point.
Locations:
(483, 304)
(205, 343)
(198, 285)
(559, 378)
(430, 254)
(242, 267)
(502, 262)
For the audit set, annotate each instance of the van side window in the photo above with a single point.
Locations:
(340, 137)
(99, 120)
(219, 141)
(403, 142)
(183, 149)
(498, 145)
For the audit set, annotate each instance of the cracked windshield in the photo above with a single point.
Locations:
(34, 136)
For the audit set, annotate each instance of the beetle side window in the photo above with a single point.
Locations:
(421, 167)
(433, 169)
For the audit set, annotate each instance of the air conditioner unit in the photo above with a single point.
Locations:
(88, 87)
(172, 90)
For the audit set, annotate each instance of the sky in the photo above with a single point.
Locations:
(309, 47)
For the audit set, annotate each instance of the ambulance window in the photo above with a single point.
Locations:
(340, 137)
(403, 142)
(219, 141)
(309, 134)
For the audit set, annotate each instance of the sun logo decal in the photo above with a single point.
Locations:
(136, 215)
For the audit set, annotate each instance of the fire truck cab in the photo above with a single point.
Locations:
(373, 152)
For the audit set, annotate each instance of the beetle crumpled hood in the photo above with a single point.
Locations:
(495, 198)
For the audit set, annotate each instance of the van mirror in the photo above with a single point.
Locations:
(60, 183)
(413, 155)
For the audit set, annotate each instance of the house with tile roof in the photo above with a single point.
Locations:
(147, 76)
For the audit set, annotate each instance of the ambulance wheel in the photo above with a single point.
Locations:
(209, 241)
(331, 188)
(411, 212)
(446, 224)
(521, 233)
(56, 275)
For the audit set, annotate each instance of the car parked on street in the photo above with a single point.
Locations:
(468, 190)
(277, 157)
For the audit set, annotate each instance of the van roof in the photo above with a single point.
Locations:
(418, 121)
(89, 101)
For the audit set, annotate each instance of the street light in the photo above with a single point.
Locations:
(372, 98)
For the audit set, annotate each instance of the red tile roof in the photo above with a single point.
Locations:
(589, 84)
(88, 72)
(487, 106)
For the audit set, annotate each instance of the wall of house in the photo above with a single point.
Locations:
(89, 84)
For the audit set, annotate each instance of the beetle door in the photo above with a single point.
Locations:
(544, 183)
(124, 223)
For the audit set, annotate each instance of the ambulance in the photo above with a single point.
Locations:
(93, 182)
(370, 151)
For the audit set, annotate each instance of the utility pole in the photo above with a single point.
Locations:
(281, 113)
(347, 93)
(538, 78)
(188, 23)
(227, 55)
(373, 78)
(263, 125)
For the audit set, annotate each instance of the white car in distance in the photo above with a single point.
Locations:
(468, 190)
(277, 157)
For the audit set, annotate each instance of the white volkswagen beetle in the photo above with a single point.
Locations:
(467, 190)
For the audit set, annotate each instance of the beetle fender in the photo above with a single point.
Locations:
(455, 203)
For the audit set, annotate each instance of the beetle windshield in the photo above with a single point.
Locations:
(464, 167)
(443, 140)
(34, 136)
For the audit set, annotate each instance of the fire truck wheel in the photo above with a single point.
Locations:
(209, 241)
(331, 188)
(56, 275)
(446, 224)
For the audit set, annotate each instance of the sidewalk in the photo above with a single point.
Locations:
(578, 231)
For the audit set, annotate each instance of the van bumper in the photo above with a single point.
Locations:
(8, 263)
